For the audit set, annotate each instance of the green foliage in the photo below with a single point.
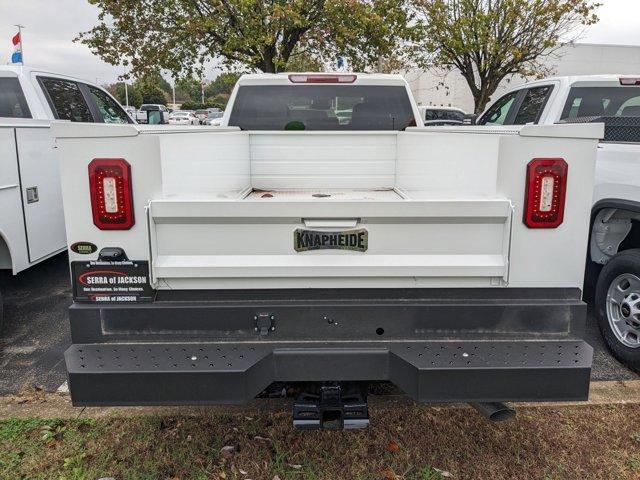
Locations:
(303, 62)
(189, 105)
(220, 100)
(223, 84)
(118, 91)
(152, 94)
(182, 35)
(188, 89)
(487, 40)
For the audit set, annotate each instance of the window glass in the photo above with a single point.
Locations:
(433, 114)
(12, 101)
(322, 107)
(67, 100)
(619, 101)
(111, 112)
(532, 105)
(497, 114)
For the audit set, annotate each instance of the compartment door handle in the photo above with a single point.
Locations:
(330, 222)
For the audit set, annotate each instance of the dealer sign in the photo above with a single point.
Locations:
(356, 240)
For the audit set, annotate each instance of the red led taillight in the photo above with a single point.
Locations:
(110, 188)
(545, 192)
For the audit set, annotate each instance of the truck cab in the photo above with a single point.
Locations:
(296, 246)
(613, 262)
(32, 222)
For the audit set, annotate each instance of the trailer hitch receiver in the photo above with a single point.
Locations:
(331, 409)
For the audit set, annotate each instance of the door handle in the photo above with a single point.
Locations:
(330, 222)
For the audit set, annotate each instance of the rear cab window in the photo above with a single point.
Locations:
(66, 100)
(13, 103)
(585, 102)
(321, 107)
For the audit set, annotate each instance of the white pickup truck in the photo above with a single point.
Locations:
(289, 245)
(31, 218)
(615, 214)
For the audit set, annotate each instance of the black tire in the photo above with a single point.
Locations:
(627, 262)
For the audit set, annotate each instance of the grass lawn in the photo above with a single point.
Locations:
(408, 442)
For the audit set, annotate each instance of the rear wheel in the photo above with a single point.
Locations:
(618, 306)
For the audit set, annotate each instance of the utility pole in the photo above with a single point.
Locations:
(173, 90)
(202, 91)
(126, 88)
(20, 27)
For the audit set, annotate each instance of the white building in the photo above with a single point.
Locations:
(450, 89)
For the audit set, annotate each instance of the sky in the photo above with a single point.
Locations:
(51, 26)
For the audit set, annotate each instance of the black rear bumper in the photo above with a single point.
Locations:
(234, 373)
(500, 345)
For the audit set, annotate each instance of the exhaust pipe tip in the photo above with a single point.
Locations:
(495, 411)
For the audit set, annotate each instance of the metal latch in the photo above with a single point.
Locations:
(265, 323)
(32, 195)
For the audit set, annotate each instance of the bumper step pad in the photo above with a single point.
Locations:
(234, 373)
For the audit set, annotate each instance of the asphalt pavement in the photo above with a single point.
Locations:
(36, 331)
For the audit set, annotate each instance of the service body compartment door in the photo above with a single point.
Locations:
(41, 193)
(255, 244)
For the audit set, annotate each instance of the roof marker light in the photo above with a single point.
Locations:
(630, 81)
(321, 78)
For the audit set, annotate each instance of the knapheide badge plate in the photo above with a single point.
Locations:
(356, 240)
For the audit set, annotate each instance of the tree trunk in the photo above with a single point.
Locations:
(482, 98)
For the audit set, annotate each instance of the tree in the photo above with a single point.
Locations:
(152, 94)
(187, 88)
(118, 91)
(223, 84)
(488, 40)
(220, 100)
(303, 62)
(182, 35)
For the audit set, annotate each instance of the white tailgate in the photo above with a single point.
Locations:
(244, 243)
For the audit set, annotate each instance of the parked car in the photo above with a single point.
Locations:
(286, 246)
(157, 113)
(214, 118)
(183, 118)
(613, 262)
(31, 218)
(202, 115)
(439, 116)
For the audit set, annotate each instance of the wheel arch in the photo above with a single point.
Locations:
(6, 258)
(619, 205)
